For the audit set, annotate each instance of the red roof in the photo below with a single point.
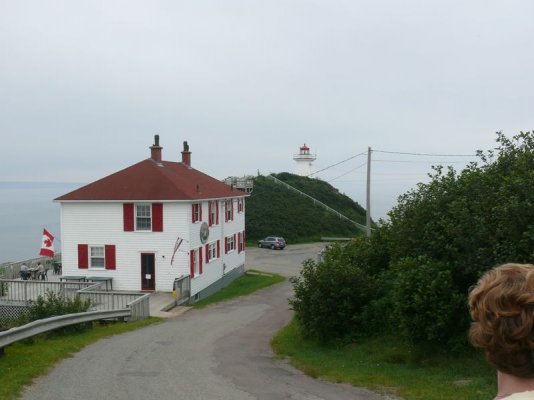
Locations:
(148, 180)
(304, 147)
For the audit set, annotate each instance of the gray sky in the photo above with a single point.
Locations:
(84, 85)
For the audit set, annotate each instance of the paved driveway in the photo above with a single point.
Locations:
(219, 352)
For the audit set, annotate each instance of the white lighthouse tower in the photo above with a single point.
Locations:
(304, 161)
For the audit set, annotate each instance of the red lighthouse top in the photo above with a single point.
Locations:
(304, 147)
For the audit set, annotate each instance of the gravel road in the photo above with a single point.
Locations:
(219, 352)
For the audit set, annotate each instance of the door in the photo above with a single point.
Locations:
(148, 271)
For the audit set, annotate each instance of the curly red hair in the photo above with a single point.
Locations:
(502, 309)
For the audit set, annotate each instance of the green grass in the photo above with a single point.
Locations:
(389, 367)
(251, 281)
(26, 360)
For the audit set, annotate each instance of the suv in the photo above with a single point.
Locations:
(273, 242)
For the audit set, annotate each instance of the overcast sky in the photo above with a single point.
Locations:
(84, 86)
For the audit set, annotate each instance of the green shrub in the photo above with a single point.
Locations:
(427, 306)
(331, 296)
(53, 304)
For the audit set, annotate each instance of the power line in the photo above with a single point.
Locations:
(425, 154)
(346, 173)
(419, 162)
(333, 165)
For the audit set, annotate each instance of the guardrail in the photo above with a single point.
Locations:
(47, 324)
(317, 202)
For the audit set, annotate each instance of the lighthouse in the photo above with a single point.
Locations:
(304, 161)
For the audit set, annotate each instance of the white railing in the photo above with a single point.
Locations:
(13, 290)
(182, 289)
(317, 202)
(11, 270)
(21, 292)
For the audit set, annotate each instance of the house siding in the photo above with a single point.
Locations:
(101, 223)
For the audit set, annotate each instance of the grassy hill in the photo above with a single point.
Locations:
(272, 209)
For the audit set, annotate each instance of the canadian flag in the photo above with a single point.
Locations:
(47, 246)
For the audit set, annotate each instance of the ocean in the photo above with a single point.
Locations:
(25, 209)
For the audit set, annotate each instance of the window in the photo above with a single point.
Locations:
(213, 213)
(240, 242)
(143, 220)
(240, 205)
(212, 251)
(229, 206)
(97, 257)
(197, 212)
(230, 243)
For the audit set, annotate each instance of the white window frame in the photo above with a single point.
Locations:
(149, 206)
(97, 257)
(212, 251)
(229, 209)
(196, 212)
(241, 244)
(213, 215)
(230, 243)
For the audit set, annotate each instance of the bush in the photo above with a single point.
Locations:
(427, 306)
(53, 305)
(331, 296)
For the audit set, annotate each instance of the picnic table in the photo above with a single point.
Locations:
(106, 279)
(76, 278)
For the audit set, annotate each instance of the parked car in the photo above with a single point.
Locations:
(273, 242)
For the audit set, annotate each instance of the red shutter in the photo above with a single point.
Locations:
(235, 242)
(217, 211)
(200, 261)
(210, 222)
(231, 209)
(128, 217)
(218, 248)
(192, 262)
(226, 211)
(207, 253)
(83, 256)
(110, 256)
(225, 245)
(200, 212)
(157, 217)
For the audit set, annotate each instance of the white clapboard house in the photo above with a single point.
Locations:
(153, 222)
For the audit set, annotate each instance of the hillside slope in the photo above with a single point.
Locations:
(272, 209)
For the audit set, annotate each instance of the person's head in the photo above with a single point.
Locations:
(502, 309)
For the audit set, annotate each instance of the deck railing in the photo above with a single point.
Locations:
(20, 293)
(182, 289)
(15, 290)
(319, 203)
(11, 270)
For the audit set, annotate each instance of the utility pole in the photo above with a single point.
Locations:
(368, 200)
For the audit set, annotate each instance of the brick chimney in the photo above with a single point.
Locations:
(186, 155)
(155, 150)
